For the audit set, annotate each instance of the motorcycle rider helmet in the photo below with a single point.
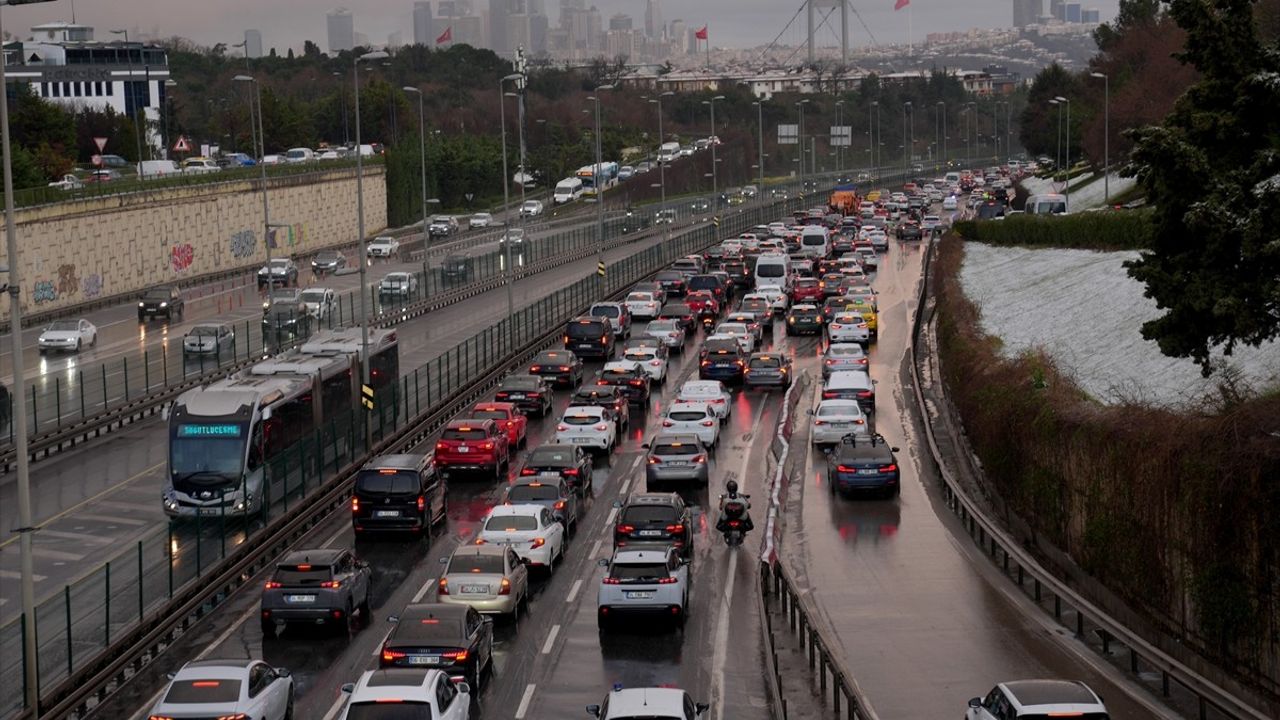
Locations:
(731, 487)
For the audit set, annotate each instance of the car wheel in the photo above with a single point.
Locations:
(77, 346)
(288, 708)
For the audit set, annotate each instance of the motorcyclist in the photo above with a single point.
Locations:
(733, 503)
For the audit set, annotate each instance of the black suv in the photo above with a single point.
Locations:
(672, 281)
(589, 337)
(558, 366)
(164, 300)
(654, 517)
(572, 462)
(710, 283)
(606, 396)
(863, 462)
(397, 492)
(530, 393)
(634, 382)
(723, 360)
(453, 638)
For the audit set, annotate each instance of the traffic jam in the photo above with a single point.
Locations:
(612, 478)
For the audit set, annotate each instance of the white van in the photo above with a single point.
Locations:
(1047, 204)
(157, 168)
(952, 178)
(567, 190)
(773, 270)
(815, 241)
(299, 155)
(668, 151)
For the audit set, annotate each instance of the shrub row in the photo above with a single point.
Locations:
(1106, 230)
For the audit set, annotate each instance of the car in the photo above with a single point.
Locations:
(232, 688)
(530, 393)
(617, 314)
(778, 300)
(755, 323)
(68, 335)
(664, 217)
(549, 490)
(456, 267)
(442, 226)
(702, 301)
(280, 271)
(843, 356)
(805, 290)
(606, 396)
(673, 282)
(722, 359)
(676, 456)
(694, 418)
(949, 203)
(1037, 699)
(531, 208)
(629, 377)
(319, 301)
(647, 517)
(415, 693)
(642, 305)
(590, 337)
(571, 462)
(455, 639)
(648, 582)
(835, 418)
(712, 392)
(864, 304)
(758, 305)
(870, 261)
(651, 358)
(217, 339)
(848, 327)
(768, 369)
(654, 287)
(682, 314)
(851, 385)
(102, 176)
(281, 295)
(164, 300)
(472, 445)
(200, 166)
(330, 154)
(508, 416)
(398, 286)
(490, 579)
(400, 492)
(515, 234)
(561, 367)
(531, 530)
(68, 182)
(321, 586)
(328, 261)
(382, 246)
(480, 220)
(588, 426)
(286, 320)
(713, 284)
(669, 332)
(656, 703)
(804, 319)
(739, 331)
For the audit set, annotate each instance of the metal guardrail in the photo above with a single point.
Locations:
(1016, 563)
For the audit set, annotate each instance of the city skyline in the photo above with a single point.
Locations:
(731, 23)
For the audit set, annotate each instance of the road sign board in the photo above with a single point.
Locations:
(182, 145)
(788, 134)
(366, 396)
(841, 135)
(101, 142)
(600, 268)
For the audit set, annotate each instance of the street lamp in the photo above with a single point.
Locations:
(1057, 158)
(1106, 134)
(422, 137)
(662, 167)
(127, 93)
(342, 94)
(596, 180)
(364, 253)
(941, 135)
(970, 130)
(760, 147)
(1066, 191)
(164, 115)
(906, 143)
(800, 106)
(715, 188)
(262, 177)
(506, 195)
(840, 125)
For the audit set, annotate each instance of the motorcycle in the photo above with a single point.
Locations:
(735, 521)
(708, 322)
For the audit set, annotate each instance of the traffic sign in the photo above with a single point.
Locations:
(101, 142)
(600, 268)
(182, 145)
(715, 220)
(366, 397)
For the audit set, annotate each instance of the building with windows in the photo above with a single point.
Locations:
(342, 30)
(653, 27)
(424, 31)
(1027, 12)
(65, 65)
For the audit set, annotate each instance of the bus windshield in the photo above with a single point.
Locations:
(207, 453)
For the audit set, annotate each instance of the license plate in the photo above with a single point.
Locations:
(299, 598)
(639, 595)
(210, 511)
(464, 449)
(516, 396)
(387, 513)
(867, 471)
(475, 589)
(675, 462)
(841, 425)
(583, 441)
(650, 533)
(424, 660)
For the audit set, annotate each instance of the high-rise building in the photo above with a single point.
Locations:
(569, 8)
(621, 21)
(342, 30)
(252, 43)
(424, 31)
(620, 43)
(1072, 12)
(527, 31)
(1057, 8)
(678, 36)
(1027, 12)
(360, 39)
(653, 19)
(1090, 15)
(469, 30)
(395, 40)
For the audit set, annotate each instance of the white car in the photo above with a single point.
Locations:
(693, 418)
(531, 208)
(398, 284)
(848, 327)
(843, 356)
(662, 703)
(642, 305)
(651, 582)
(587, 426)
(651, 359)
(531, 530)
(480, 220)
(668, 332)
(833, 419)
(318, 301)
(870, 262)
(879, 240)
(70, 335)
(778, 300)
(712, 392)
(383, 246)
(420, 694)
(740, 332)
(227, 688)
(949, 203)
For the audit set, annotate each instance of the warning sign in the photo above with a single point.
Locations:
(182, 145)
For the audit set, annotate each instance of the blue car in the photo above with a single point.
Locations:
(863, 463)
(722, 360)
(237, 159)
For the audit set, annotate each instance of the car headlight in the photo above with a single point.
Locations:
(141, 304)
(164, 304)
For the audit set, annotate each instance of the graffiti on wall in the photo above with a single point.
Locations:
(91, 285)
(44, 291)
(243, 243)
(287, 236)
(68, 283)
(181, 256)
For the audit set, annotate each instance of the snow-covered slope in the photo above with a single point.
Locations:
(1091, 195)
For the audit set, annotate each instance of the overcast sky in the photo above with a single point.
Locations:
(732, 23)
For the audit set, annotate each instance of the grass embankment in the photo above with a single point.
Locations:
(1106, 230)
(1179, 514)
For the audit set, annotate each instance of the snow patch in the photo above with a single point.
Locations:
(1092, 195)
(1085, 312)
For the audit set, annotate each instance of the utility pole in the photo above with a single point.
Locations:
(506, 195)
(715, 189)
(364, 253)
(1106, 135)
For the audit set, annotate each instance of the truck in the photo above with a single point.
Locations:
(844, 199)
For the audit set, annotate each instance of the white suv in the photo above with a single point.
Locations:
(694, 418)
(428, 694)
(712, 392)
(1037, 699)
(382, 246)
(652, 581)
(588, 426)
(655, 703)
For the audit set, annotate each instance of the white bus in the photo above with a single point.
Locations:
(567, 190)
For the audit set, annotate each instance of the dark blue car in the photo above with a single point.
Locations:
(722, 360)
(863, 463)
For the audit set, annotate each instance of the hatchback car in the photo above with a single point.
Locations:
(676, 456)
(492, 579)
(227, 688)
(712, 392)
(216, 339)
(651, 358)
(455, 639)
(67, 335)
(854, 385)
(606, 396)
(863, 462)
(588, 426)
(328, 261)
(658, 703)
(549, 490)
(509, 418)
(669, 332)
(768, 369)
(531, 530)
(642, 305)
(804, 319)
(652, 583)
(398, 286)
(1038, 699)
(833, 419)
(480, 220)
(694, 418)
(398, 493)
(164, 301)
(629, 377)
(316, 587)
(413, 693)
(561, 367)
(572, 463)
(531, 208)
(530, 393)
(848, 327)
(654, 517)
(472, 445)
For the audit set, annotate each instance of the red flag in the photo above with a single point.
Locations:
(446, 36)
(701, 34)
(901, 4)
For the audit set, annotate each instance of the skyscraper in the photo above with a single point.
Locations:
(252, 43)
(1058, 9)
(424, 32)
(1071, 12)
(679, 38)
(1089, 15)
(1027, 12)
(653, 19)
(342, 30)
(620, 21)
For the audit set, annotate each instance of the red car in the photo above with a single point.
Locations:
(702, 301)
(508, 417)
(806, 290)
(473, 445)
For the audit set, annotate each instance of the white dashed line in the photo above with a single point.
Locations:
(551, 640)
(337, 705)
(573, 591)
(608, 523)
(422, 591)
(524, 701)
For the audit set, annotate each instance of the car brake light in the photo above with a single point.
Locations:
(667, 580)
(535, 368)
(571, 471)
(892, 467)
(389, 655)
(655, 363)
(827, 395)
(559, 505)
(626, 529)
(443, 586)
(441, 446)
(488, 446)
(864, 393)
(819, 422)
(706, 363)
(667, 423)
(564, 368)
(273, 585)
(677, 528)
(537, 543)
(637, 382)
(655, 461)
(734, 523)
(331, 584)
(559, 428)
(505, 587)
(707, 423)
(846, 469)
(602, 427)
(612, 581)
(422, 503)
(455, 655)
(355, 504)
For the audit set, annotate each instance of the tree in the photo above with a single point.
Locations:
(1212, 169)
(44, 130)
(1038, 122)
(1132, 14)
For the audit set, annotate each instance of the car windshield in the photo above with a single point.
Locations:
(580, 419)
(638, 571)
(296, 575)
(383, 710)
(326, 256)
(490, 414)
(533, 493)
(313, 295)
(476, 563)
(639, 297)
(158, 294)
(463, 434)
(648, 514)
(196, 692)
(63, 325)
(663, 326)
(387, 482)
(830, 410)
(211, 330)
(687, 415)
(640, 355)
(279, 263)
(550, 456)
(608, 311)
(766, 362)
(507, 523)
(674, 448)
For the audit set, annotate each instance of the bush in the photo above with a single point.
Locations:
(1105, 230)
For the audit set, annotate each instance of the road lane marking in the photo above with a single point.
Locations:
(422, 591)
(11, 575)
(91, 500)
(573, 591)
(524, 701)
(76, 536)
(551, 639)
(329, 541)
(608, 523)
(595, 547)
(337, 705)
(626, 484)
(722, 637)
(377, 649)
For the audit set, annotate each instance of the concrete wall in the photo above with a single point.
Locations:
(116, 246)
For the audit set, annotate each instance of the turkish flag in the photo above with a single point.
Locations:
(701, 34)
(446, 36)
(901, 4)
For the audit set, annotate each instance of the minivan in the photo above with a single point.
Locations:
(815, 241)
(567, 190)
(1048, 204)
(773, 270)
(299, 155)
(397, 493)
(590, 337)
(157, 168)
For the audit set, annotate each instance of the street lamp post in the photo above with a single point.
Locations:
(906, 143)
(876, 138)
(364, 253)
(506, 196)
(840, 147)
(1057, 158)
(596, 180)
(164, 115)
(800, 106)
(422, 137)
(662, 169)
(1106, 135)
(1066, 191)
(262, 178)
(760, 148)
(715, 187)
(342, 94)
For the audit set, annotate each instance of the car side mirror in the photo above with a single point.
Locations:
(701, 708)
(602, 563)
(975, 702)
(645, 446)
(393, 619)
(464, 688)
(593, 710)
(171, 675)
(362, 564)
(444, 561)
(617, 503)
(894, 449)
(283, 672)
(349, 688)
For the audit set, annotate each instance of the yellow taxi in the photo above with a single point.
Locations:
(868, 309)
